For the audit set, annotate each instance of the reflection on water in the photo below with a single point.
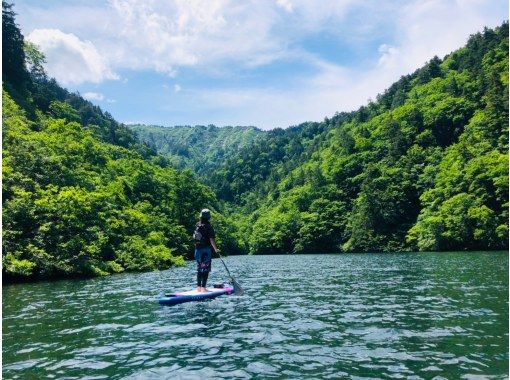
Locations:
(328, 316)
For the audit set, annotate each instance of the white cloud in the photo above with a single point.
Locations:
(425, 29)
(228, 37)
(390, 56)
(213, 36)
(93, 96)
(216, 35)
(437, 27)
(429, 28)
(69, 59)
(163, 36)
(285, 4)
(177, 88)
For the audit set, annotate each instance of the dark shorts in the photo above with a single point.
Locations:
(203, 257)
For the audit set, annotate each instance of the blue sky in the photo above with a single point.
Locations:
(227, 62)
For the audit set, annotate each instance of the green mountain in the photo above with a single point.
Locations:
(81, 195)
(247, 177)
(198, 148)
(425, 167)
(237, 160)
(381, 178)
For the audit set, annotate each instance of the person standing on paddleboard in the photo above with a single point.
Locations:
(204, 244)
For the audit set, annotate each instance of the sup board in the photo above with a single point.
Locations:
(194, 295)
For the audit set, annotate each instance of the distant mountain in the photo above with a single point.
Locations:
(199, 148)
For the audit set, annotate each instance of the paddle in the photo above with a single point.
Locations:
(237, 288)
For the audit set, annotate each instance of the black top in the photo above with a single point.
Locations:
(208, 233)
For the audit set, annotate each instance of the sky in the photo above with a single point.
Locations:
(265, 63)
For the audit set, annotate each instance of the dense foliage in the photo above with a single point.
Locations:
(198, 148)
(247, 177)
(241, 163)
(81, 196)
(425, 167)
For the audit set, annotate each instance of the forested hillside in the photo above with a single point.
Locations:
(81, 196)
(425, 167)
(241, 163)
(199, 148)
(247, 177)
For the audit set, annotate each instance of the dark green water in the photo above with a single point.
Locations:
(442, 315)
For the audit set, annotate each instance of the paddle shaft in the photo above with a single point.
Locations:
(237, 287)
(225, 265)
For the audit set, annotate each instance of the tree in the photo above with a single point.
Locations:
(13, 54)
(34, 61)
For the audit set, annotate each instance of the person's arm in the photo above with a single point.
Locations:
(213, 243)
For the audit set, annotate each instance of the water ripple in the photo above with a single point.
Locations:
(302, 317)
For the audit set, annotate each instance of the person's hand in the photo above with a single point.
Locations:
(217, 250)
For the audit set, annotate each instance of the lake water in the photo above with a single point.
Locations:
(426, 315)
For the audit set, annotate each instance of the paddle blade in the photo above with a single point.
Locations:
(238, 291)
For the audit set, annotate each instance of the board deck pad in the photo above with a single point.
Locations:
(194, 295)
(196, 292)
